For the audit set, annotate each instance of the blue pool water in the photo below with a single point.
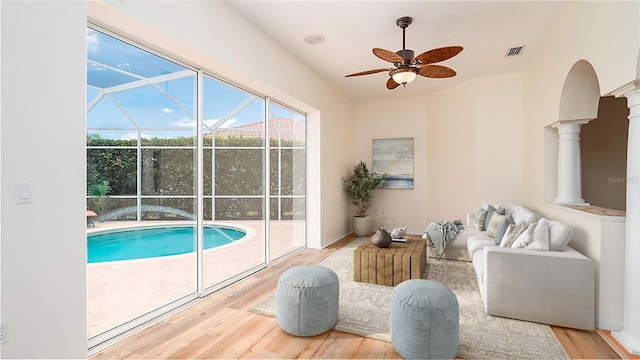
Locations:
(154, 242)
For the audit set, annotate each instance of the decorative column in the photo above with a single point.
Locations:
(569, 162)
(629, 337)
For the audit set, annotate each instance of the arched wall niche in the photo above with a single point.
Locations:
(578, 104)
(588, 173)
(580, 93)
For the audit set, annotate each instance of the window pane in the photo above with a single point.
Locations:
(239, 172)
(233, 131)
(116, 167)
(141, 138)
(168, 172)
(287, 179)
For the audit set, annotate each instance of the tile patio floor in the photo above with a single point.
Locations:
(120, 291)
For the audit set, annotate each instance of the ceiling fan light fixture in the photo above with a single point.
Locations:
(403, 75)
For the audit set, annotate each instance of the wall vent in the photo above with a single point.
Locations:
(516, 50)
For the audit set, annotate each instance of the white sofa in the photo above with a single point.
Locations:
(554, 286)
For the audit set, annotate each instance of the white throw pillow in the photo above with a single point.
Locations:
(536, 237)
(524, 238)
(540, 236)
(513, 231)
(559, 235)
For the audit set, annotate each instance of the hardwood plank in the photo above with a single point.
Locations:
(582, 344)
(220, 325)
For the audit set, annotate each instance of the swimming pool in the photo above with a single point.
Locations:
(152, 242)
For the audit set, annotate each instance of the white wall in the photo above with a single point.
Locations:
(43, 136)
(400, 118)
(211, 35)
(475, 151)
(465, 150)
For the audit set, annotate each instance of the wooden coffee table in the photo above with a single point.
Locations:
(390, 266)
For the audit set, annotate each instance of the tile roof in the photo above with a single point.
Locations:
(286, 129)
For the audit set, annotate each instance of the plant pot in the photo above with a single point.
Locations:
(361, 225)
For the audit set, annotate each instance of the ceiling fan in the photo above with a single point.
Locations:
(406, 67)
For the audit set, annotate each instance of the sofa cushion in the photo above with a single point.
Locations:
(522, 214)
(477, 243)
(559, 235)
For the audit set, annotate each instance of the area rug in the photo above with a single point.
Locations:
(364, 310)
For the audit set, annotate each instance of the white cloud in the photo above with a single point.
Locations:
(184, 122)
(93, 44)
(95, 67)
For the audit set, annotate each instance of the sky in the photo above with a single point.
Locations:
(167, 107)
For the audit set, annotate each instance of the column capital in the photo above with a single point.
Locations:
(560, 123)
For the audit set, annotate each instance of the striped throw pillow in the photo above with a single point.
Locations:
(481, 216)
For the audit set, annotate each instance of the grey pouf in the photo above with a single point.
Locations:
(307, 300)
(424, 320)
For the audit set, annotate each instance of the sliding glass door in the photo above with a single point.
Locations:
(287, 160)
(234, 192)
(192, 183)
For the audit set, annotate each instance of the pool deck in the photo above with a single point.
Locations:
(120, 291)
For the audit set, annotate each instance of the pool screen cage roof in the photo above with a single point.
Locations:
(130, 90)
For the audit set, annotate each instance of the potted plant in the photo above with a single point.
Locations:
(360, 186)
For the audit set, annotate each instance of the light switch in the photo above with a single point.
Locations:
(23, 193)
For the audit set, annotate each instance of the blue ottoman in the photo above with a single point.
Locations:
(307, 300)
(424, 320)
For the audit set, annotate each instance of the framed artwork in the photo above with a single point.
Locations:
(395, 158)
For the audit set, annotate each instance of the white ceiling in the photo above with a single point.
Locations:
(486, 30)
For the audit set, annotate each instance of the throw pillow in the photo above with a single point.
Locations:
(525, 238)
(481, 216)
(490, 211)
(540, 236)
(503, 222)
(493, 223)
(536, 237)
(559, 235)
(512, 234)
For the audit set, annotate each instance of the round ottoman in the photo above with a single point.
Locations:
(424, 320)
(307, 300)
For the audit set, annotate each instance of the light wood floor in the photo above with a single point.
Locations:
(219, 326)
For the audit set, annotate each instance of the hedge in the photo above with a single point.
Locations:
(168, 167)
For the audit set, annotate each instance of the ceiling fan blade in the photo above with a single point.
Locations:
(437, 71)
(439, 54)
(374, 71)
(392, 84)
(387, 55)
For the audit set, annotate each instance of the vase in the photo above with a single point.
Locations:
(381, 238)
(362, 225)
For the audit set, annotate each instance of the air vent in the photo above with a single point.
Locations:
(517, 50)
